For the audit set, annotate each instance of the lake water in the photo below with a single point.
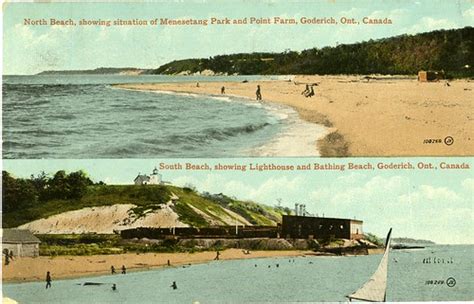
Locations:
(83, 116)
(307, 279)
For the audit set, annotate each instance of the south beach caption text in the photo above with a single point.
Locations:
(313, 166)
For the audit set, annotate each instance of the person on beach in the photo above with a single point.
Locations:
(306, 91)
(174, 286)
(11, 255)
(124, 270)
(7, 256)
(197, 84)
(169, 263)
(112, 269)
(310, 92)
(48, 280)
(223, 90)
(258, 93)
(217, 255)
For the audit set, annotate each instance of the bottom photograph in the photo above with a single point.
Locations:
(266, 230)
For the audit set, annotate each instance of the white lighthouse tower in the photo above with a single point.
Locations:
(155, 177)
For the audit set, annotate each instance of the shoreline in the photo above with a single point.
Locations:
(283, 146)
(26, 269)
(321, 143)
(375, 117)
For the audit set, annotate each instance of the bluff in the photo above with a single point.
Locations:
(448, 50)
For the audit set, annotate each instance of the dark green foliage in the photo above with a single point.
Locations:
(448, 50)
(93, 244)
(230, 204)
(256, 214)
(74, 239)
(284, 210)
(151, 193)
(17, 193)
(374, 239)
(65, 186)
(189, 216)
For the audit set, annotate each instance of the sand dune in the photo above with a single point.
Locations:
(104, 219)
(107, 219)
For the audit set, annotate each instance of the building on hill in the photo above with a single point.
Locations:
(304, 227)
(153, 179)
(21, 242)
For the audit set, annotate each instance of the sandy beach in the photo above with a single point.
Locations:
(380, 117)
(34, 269)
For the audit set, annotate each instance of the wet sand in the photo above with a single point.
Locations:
(34, 269)
(380, 117)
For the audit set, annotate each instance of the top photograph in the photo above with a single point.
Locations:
(211, 79)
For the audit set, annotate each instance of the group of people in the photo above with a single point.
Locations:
(112, 269)
(258, 93)
(309, 91)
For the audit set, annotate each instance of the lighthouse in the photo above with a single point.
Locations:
(155, 177)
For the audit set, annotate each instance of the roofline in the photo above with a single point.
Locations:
(329, 218)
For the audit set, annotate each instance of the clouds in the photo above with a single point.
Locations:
(29, 50)
(268, 191)
(468, 184)
(413, 209)
(469, 15)
(429, 194)
(427, 24)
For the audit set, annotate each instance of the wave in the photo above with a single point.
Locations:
(16, 144)
(63, 116)
(210, 134)
(45, 89)
(133, 149)
(40, 132)
(134, 107)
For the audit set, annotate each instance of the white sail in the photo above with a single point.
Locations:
(374, 289)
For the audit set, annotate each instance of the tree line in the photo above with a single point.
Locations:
(448, 50)
(21, 193)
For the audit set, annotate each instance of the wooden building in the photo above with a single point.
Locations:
(21, 242)
(424, 76)
(306, 227)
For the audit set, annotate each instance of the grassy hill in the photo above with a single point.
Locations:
(147, 198)
(448, 50)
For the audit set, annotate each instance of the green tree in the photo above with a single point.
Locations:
(17, 193)
(77, 184)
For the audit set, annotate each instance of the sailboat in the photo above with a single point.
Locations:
(375, 289)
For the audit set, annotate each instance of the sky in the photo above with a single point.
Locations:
(425, 204)
(31, 49)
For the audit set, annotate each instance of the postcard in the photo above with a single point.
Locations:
(237, 79)
(266, 230)
(237, 151)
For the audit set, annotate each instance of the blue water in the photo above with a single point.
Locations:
(83, 116)
(308, 279)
